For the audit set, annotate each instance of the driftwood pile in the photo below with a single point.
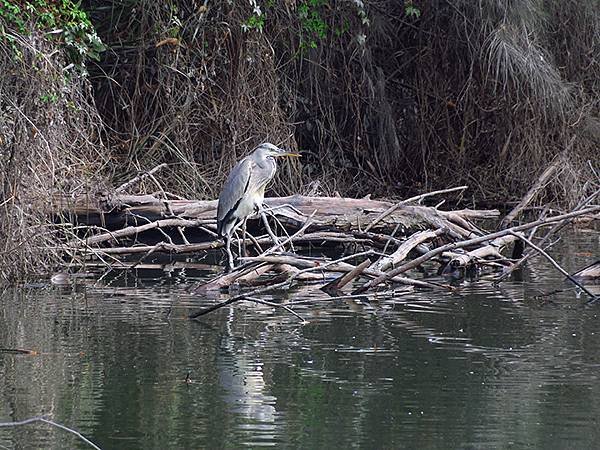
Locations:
(380, 241)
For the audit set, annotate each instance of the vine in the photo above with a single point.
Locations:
(315, 19)
(62, 20)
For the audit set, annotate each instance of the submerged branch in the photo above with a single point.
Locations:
(54, 424)
(555, 264)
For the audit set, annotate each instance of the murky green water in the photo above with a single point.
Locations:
(489, 367)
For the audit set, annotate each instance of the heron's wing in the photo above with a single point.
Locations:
(233, 191)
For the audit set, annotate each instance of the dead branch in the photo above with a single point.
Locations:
(276, 305)
(404, 249)
(342, 281)
(555, 264)
(336, 266)
(492, 249)
(415, 262)
(54, 424)
(328, 212)
(139, 178)
(531, 193)
(291, 270)
(558, 226)
(131, 231)
(589, 273)
(393, 208)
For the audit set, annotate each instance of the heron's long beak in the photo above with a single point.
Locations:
(291, 154)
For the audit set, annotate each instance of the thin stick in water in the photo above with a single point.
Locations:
(54, 424)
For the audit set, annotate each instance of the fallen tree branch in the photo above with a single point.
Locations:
(133, 230)
(286, 283)
(415, 262)
(393, 208)
(339, 213)
(402, 252)
(492, 249)
(555, 264)
(322, 237)
(558, 226)
(248, 271)
(338, 265)
(276, 305)
(342, 281)
(539, 184)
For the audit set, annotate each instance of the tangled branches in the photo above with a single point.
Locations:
(48, 146)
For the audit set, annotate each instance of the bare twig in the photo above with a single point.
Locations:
(134, 230)
(298, 233)
(555, 264)
(390, 210)
(275, 305)
(531, 193)
(139, 178)
(54, 424)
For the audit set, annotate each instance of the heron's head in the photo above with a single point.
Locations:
(269, 150)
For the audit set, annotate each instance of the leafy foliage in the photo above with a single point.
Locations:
(310, 15)
(411, 10)
(313, 26)
(62, 20)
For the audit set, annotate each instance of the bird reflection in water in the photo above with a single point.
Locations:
(240, 369)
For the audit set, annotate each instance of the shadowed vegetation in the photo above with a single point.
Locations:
(383, 97)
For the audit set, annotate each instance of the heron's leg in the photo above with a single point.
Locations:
(239, 243)
(244, 251)
(228, 244)
(228, 249)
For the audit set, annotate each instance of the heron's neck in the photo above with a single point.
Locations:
(268, 163)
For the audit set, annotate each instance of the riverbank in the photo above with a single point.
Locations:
(95, 93)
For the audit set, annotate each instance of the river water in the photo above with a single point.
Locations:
(485, 367)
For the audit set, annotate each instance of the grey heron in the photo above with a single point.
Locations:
(244, 191)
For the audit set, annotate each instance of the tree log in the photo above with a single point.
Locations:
(345, 214)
